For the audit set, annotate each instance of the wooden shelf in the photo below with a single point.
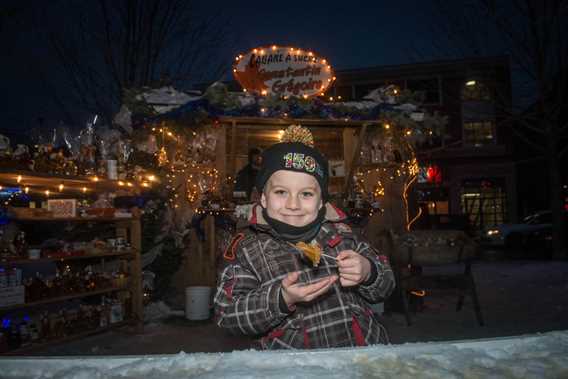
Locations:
(38, 179)
(61, 299)
(41, 345)
(73, 219)
(69, 258)
(125, 227)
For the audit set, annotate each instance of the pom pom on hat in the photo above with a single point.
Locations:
(297, 133)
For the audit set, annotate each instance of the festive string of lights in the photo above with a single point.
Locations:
(27, 185)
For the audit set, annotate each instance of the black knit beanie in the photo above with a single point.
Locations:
(294, 156)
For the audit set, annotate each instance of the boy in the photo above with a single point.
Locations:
(269, 289)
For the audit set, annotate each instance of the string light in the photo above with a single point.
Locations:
(405, 199)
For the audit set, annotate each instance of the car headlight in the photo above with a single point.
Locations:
(492, 232)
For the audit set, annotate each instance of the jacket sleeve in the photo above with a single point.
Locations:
(384, 283)
(243, 304)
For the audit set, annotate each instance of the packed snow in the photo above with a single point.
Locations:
(533, 356)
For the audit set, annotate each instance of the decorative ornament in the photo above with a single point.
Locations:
(162, 157)
(192, 189)
(378, 190)
(298, 133)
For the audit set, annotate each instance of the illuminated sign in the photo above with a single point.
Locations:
(283, 71)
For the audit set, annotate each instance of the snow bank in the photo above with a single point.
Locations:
(532, 356)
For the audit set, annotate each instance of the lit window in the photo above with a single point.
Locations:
(479, 133)
(474, 90)
(484, 201)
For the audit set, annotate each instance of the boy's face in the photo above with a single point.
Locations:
(292, 197)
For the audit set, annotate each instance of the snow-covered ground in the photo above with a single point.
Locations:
(533, 356)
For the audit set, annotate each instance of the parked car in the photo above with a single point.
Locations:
(530, 238)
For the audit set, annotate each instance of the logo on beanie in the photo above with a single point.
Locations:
(299, 161)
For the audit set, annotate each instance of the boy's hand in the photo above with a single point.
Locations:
(294, 292)
(353, 268)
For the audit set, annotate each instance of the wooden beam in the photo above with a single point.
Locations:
(354, 159)
(290, 121)
(232, 168)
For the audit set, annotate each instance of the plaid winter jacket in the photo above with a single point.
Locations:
(248, 294)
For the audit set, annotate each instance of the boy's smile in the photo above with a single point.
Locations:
(292, 197)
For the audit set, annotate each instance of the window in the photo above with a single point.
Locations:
(484, 201)
(434, 199)
(438, 208)
(479, 133)
(430, 89)
(474, 90)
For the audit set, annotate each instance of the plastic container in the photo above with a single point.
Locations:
(197, 303)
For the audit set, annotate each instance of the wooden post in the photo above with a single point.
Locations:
(211, 277)
(233, 165)
(221, 151)
(353, 159)
(199, 264)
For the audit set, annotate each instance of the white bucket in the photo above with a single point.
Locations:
(197, 303)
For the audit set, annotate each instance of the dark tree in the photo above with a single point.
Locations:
(106, 47)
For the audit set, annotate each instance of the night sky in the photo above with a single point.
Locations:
(350, 34)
